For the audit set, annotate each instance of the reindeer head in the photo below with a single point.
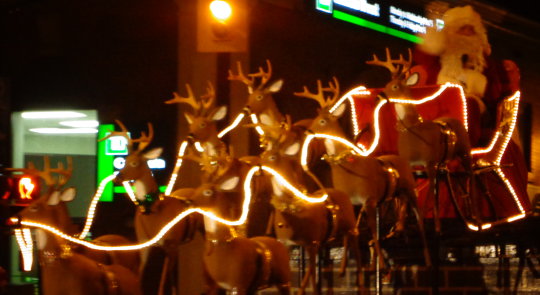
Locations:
(136, 166)
(401, 78)
(280, 142)
(327, 118)
(50, 208)
(260, 96)
(203, 115)
(222, 178)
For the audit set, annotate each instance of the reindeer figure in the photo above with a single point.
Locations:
(260, 101)
(154, 209)
(430, 144)
(65, 270)
(310, 225)
(367, 181)
(238, 264)
(202, 118)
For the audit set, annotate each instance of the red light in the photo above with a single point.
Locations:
(26, 187)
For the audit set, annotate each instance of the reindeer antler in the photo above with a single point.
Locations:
(64, 174)
(249, 80)
(319, 95)
(204, 104)
(47, 173)
(395, 66)
(189, 99)
(143, 141)
(209, 98)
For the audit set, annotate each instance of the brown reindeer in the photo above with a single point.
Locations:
(202, 118)
(154, 210)
(65, 270)
(431, 144)
(260, 100)
(296, 221)
(238, 264)
(366, 180)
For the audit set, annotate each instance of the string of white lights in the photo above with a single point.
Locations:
(179, 217)
(177, 166)
(93, 204)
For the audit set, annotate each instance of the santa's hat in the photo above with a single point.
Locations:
(434, 41)
(458, 17)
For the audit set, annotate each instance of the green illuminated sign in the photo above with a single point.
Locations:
(374, 26)
(105, 161)
(379, 16)
(324, 5)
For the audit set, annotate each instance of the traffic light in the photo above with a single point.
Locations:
(222, 26)
(19, 189)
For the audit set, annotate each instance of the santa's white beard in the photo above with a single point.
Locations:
(463, 62)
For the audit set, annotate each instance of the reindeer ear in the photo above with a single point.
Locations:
(68, 194)
(153, 153)
(276, 86)
(292, 149)
(229, 183)
(54, 198)
(339, 111)
(266, 120)
(413, 79)
(219, 113)
(189, 118)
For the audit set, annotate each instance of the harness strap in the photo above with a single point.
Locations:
(449, 139)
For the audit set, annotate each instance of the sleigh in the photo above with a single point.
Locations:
(497, 191)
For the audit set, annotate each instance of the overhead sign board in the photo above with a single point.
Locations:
(401, 21)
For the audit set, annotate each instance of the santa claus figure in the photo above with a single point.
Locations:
(460, 53)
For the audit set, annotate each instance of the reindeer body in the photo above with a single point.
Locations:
(154, 211)
(66, 270)
(238, 264)
(75, 274)
(310, 225)
(431, 144)
(245, 264)
(367, 180)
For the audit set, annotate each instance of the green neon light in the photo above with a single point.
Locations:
(374, 26)
(104, 163)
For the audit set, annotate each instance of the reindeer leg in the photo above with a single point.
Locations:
(163, 278)
(328, 269)
(422, 231)
(344, 259)
(312, 269)
(371, 208)
(351, 240)
(310, 274)
(433, 176)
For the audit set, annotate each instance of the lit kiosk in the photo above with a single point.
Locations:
(57, 134)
